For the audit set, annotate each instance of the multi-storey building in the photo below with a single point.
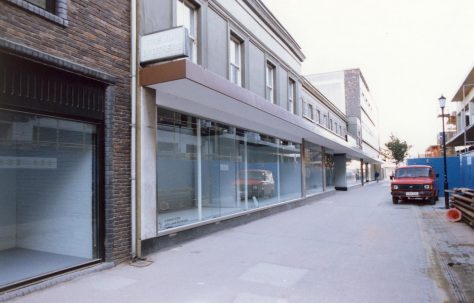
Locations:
(227, 127)
(218, 126)
(64, 136)
(463, 102)
(349, 91)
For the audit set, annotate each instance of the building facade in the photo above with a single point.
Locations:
(349, 91)
(463, 102)
(64, 137)
(227, 127)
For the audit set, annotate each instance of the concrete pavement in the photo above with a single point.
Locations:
(353, 246)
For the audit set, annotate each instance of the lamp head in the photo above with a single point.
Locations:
(442, 101)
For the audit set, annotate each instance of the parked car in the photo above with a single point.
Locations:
(260, 183)
(414, 182)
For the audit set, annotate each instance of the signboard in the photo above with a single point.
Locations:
(165, 45)
(28, 163)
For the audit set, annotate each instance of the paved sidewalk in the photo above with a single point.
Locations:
(454, 247)
(350, 247)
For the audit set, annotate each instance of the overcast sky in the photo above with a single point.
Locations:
(410, 52)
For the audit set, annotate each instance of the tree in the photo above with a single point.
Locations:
(396, 149)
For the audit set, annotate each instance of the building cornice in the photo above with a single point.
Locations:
(271, 21)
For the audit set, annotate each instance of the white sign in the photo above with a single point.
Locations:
(164, 45)
(28, 162)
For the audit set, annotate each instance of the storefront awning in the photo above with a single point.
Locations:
(184, 86)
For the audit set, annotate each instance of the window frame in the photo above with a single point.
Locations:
(193, 24)
(235, 40)
(55, 11)
(270, 90)
(291, 96)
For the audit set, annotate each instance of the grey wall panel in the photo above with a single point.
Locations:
(7, 208)
(217, 44)
(282, 88)
(256, 70)
(155, 15)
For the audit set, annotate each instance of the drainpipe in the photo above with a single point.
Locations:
(133, 143)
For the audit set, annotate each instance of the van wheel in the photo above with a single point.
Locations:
(432, 200)
(394, 200)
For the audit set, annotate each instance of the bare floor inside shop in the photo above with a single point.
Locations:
(17, 264)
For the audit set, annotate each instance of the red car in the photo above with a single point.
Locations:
(415, 182)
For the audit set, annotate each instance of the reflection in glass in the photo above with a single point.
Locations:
(176, 169)
(290, 170)
(330, 170)
(206, 170)
(314, 168)
(47, 195)
(353, 176)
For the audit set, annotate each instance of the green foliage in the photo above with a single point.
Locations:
(396, 149)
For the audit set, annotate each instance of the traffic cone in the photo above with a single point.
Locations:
(453, 215)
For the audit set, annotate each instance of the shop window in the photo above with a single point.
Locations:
(215, 169)
(48, 195)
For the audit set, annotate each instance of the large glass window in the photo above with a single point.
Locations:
(207, 170)
(47, 195)
(290, 170)
(177, 169)
(313, 168)
(353, 175)
(330, 170)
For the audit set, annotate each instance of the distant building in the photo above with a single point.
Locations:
(463, 139)
(349, 91)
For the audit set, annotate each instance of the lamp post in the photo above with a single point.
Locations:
(442, 103)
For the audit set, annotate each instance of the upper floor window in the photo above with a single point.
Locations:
(52, 10)
(235, 60)
(336, 128)
(330, 124)
(47, 5)
(187, 17)
(318, 116)
(292, 96)
(310, 111)
(270, 82)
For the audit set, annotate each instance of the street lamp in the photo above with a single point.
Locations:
(442, 104)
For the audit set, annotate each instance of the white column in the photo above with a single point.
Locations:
(199, 169)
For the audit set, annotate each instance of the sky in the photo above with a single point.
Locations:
(409, 51)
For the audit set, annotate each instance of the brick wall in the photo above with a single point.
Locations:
(352, 88)
(97, 36)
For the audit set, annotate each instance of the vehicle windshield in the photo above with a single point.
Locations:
(412, 172)
(256, 175)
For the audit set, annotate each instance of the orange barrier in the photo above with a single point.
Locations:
(453, 215)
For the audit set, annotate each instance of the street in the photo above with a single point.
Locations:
(353, 246)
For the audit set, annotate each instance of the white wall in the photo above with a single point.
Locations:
(245, 16)
(332, 86)
(54, 211)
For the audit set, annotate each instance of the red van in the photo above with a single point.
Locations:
(415, 182)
